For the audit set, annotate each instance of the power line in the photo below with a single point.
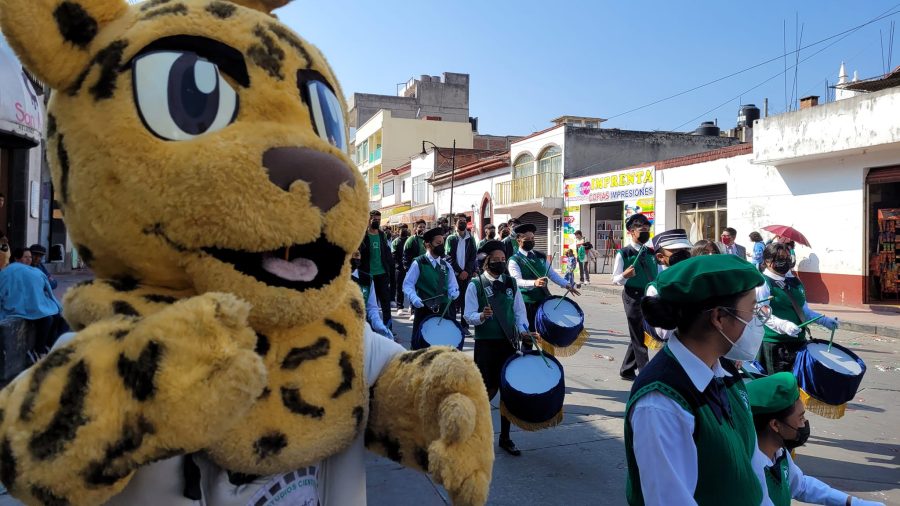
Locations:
(887, 13)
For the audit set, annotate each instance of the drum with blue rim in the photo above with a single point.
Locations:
(437, 331)
(560, 322)
(829, 376)
(532, 388)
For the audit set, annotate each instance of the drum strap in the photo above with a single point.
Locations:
(496, 301)
(797, 308)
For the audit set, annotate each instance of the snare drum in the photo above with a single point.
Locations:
(437, 331)
(532, 391)
(828, 379)
(560, 322)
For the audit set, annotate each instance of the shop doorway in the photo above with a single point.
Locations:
(485, 214)
(883, 237)
(608, 235)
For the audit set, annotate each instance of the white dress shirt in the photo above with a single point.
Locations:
(473, 316)
(461, 250)
(775, 323)
(412, 276)
(663, 438)
(516, 273)
(806, 488)
(619, 264)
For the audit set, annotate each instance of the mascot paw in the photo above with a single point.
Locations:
(208, 370)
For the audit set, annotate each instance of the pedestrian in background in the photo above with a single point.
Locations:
(462, 251)
(728, 246)
(581, 252)
(400, 270)
(25, 293)
(38, 253)
(758, 248)
(704, 247)
(490, 233)
(503, 231)
(367, 287)
(377, 261)
(571, 264)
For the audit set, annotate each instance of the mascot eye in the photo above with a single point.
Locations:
(324, 110)
(181, 96)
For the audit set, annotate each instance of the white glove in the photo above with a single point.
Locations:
(862, 502)
(790, 329)
(418, 304)
(379, 327)
(829, 323)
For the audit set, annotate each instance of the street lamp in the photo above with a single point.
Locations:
(452, 158)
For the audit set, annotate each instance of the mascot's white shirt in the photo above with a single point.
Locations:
(339, 480)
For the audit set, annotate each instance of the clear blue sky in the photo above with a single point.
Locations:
(531, 61)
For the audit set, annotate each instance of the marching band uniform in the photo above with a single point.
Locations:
(676, 242)
(429, 285)
(645, 269)
(373, 312)
(527, 266)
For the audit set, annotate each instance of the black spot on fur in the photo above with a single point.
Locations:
(125, 309)
(262, 344)
(158, 230)
(391, 446)
(8, 465)
(160, 299)
(422, 458)
(43, 369)
(153, 4)
(337, 327)
(221, 10)
(139, 376)
(119, 334)
(347, 375)
(110, 60)
(180, 9)
(358, 413)
(47, 497)
(357, 307)
(68, 418)
(75, 24)
(285, 35)
(265, 394)
(267, 55)
(430, 356)
(297, 356)
(87, 256)
(124, 283)
(412, 355)
(51, 125)
(239, 479)
(291, 399)
(63, 155)
(83, 283)
(115, 465)
(270, 444)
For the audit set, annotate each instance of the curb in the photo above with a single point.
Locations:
(865, 328)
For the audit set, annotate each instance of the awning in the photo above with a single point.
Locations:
(392, 210)
(424, 212)
(21, 116)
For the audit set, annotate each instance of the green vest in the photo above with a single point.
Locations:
(782, 307)
(724, 448)
(490, 328)
(432, 282)
(532, 268)
(778, 481)
(644, 270)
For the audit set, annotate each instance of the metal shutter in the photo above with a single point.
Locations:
(884, 175)
(540, 237)
(701, 194)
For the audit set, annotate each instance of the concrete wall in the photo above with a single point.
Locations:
(447, 98)
(593, 151)
(402, 138)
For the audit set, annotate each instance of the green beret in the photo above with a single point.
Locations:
(490, 246)
(707, 277)
(771, 394)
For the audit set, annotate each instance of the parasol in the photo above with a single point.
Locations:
(788, 232)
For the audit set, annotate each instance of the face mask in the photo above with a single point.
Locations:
(504, 234)
(644, 237)
(461, 228)
(405, 233)
(491, 234)
(497, 268)
(781, 266)
(800, 440)
(726, 240)
(527, 245)
(355, 263)
(375, 223)
(678, 256)
(747, 346)
(437, 251)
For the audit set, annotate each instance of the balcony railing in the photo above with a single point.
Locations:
(523, 189)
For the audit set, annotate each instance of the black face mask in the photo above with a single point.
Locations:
(781, 266)
(437, 251)
(461, 228)
(644, 237)
(355, 263)
(375, 224)
(504, 234)
(497, 268)
(405, 233)
(527, 245)
(491, 234)
(800, 440)
(678, 256)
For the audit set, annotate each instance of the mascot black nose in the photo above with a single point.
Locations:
(322, 171)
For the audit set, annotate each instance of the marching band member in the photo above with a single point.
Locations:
(367, 286)
(428, 284)
(671, 247)
(634, 269)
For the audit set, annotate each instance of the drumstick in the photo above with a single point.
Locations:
(445, 311)
(561, 299)
(539, 349)
(811, 321)
(831, 340)
(643, 247)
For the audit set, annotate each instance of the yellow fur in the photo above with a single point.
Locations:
(179, 351)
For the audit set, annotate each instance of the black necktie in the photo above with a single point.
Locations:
(717, 395)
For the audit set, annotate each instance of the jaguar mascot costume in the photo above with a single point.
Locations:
(199, 154)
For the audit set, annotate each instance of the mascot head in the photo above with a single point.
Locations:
(197, 144)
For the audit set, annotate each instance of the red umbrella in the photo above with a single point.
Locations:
(788, 232)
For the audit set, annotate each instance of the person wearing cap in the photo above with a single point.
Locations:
(377, 261)
(38, 253)
(670, 247)
(367, 287)
(429, 284)
(781, 426)
(496, 309)
(784, 335)
(689, 435)
(634, 269)
(531, 270)
(510, 244)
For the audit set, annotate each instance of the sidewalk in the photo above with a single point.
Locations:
(877, 319)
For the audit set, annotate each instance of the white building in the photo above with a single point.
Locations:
(472, 190)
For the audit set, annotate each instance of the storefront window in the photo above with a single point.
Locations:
(703, 220)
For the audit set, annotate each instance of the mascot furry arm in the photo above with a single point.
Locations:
(198, 150)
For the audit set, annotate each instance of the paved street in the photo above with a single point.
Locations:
(583, 461)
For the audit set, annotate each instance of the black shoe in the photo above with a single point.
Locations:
(510, 447)
(467, 332)
(628, 377)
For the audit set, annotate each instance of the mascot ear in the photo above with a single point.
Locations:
(266, 6)
(53, 37)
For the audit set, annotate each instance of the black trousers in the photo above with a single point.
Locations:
(383, 294)
(398, 287)
(459, 305)
(779, 357)
(637, 356)
(490, 355)
(47, 330)
(583, 273)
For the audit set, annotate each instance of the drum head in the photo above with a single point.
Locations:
(566, 314)
(530, 375)
(836, 359)
(437, 333)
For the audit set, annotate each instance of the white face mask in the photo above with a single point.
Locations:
(747, 346)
